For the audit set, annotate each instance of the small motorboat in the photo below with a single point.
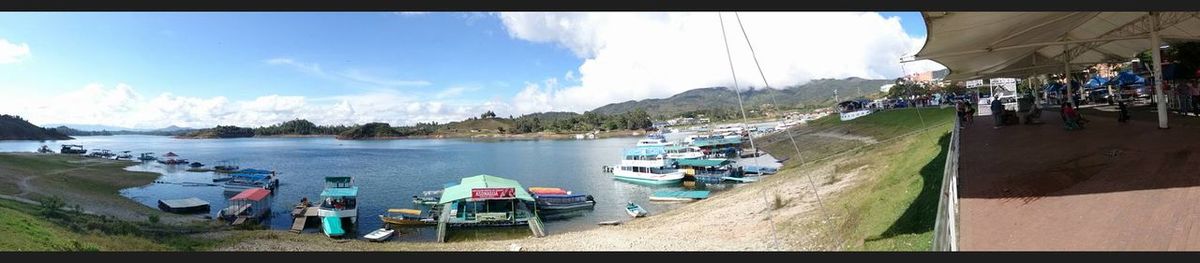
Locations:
(147, 156)
(380, 235)
(196, 165)
(405, 217)
(635, 210)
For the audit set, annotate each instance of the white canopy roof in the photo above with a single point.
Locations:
(1019, 44)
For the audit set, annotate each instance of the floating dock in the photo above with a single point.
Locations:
(664, 195)
(184, 206)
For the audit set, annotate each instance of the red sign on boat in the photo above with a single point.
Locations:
(493, 193)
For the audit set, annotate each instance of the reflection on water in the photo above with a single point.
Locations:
(389, 173)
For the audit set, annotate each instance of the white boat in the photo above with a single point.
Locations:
(380, 235)
(683, 152)
(654, 141)
(647, 165)
(339, 203)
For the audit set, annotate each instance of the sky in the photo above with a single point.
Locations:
(196, 69)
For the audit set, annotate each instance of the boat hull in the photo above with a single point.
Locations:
(648, 178)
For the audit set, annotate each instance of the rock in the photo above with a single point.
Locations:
(514, 247)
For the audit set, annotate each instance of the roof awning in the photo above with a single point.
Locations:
(463, 190)
(977, 45)
(252, 194)
(340, 192)
(703, 162)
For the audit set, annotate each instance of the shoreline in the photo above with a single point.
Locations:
(491, 136)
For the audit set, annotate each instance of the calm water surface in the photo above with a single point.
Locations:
(388, 172)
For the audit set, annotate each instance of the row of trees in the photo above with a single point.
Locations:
(589, 121)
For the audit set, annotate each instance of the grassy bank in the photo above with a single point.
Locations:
(92, 183)
(892, 206)
(25, 227)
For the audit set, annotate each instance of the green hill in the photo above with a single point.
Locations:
(221, 132)
(15, 128)
(815, 93)
(369, 131)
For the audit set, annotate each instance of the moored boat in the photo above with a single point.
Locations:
(241, 181)
(339, 205)
(406, 217)
(250, 204)
(635, 210)
(380, 235)
(647, 166)
(553, 203)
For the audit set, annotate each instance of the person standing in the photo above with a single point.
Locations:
(1194, 90)
(997, 113)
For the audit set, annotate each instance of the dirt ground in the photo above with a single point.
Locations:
(1110, 186)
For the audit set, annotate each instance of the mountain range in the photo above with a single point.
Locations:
(815, 93)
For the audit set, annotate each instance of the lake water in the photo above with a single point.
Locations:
(388, 172)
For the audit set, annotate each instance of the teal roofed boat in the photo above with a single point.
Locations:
(466, 188)
(703, 162)
(340, 192)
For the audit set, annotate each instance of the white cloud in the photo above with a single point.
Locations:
(646, 55)
(13, 52)
(123, 106)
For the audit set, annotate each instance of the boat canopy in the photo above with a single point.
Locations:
(254, 171)
(462, 191)
(252, 194)
(405, 211)
(645, 151)
(340, 192)
(251, 177)
(715, 142)
(703, 162)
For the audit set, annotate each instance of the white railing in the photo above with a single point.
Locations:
(945, 229)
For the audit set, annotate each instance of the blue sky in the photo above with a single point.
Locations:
(464, 60)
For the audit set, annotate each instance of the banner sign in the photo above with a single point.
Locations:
(493, 193)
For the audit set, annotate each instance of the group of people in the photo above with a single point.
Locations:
(1189, 98)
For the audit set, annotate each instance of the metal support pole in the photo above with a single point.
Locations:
(1156, 53)
(1067, 76)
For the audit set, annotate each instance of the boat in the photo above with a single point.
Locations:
(251, 204)
(654, 140)
(147, 156)
(101, 153)
(709, 171)
(72, 149)
(196, 165)
(759, 170)
(485, 200)
(339, 204)
(553, 203)
(683, 152)
(635, 210)
(548, 191)
(380, 235)
(405, 217)
(45, 149)
(647, 166)
(171, 160)
(665, 195)
(184, 206)
(124, 155)
(241, 181)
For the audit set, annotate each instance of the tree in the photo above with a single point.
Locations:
(487, 115)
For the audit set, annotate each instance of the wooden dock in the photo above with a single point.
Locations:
(441, 230)
(301, 218)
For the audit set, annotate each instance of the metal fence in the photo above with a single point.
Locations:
(945, 229)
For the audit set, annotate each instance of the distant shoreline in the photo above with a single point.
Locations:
(521, 136)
